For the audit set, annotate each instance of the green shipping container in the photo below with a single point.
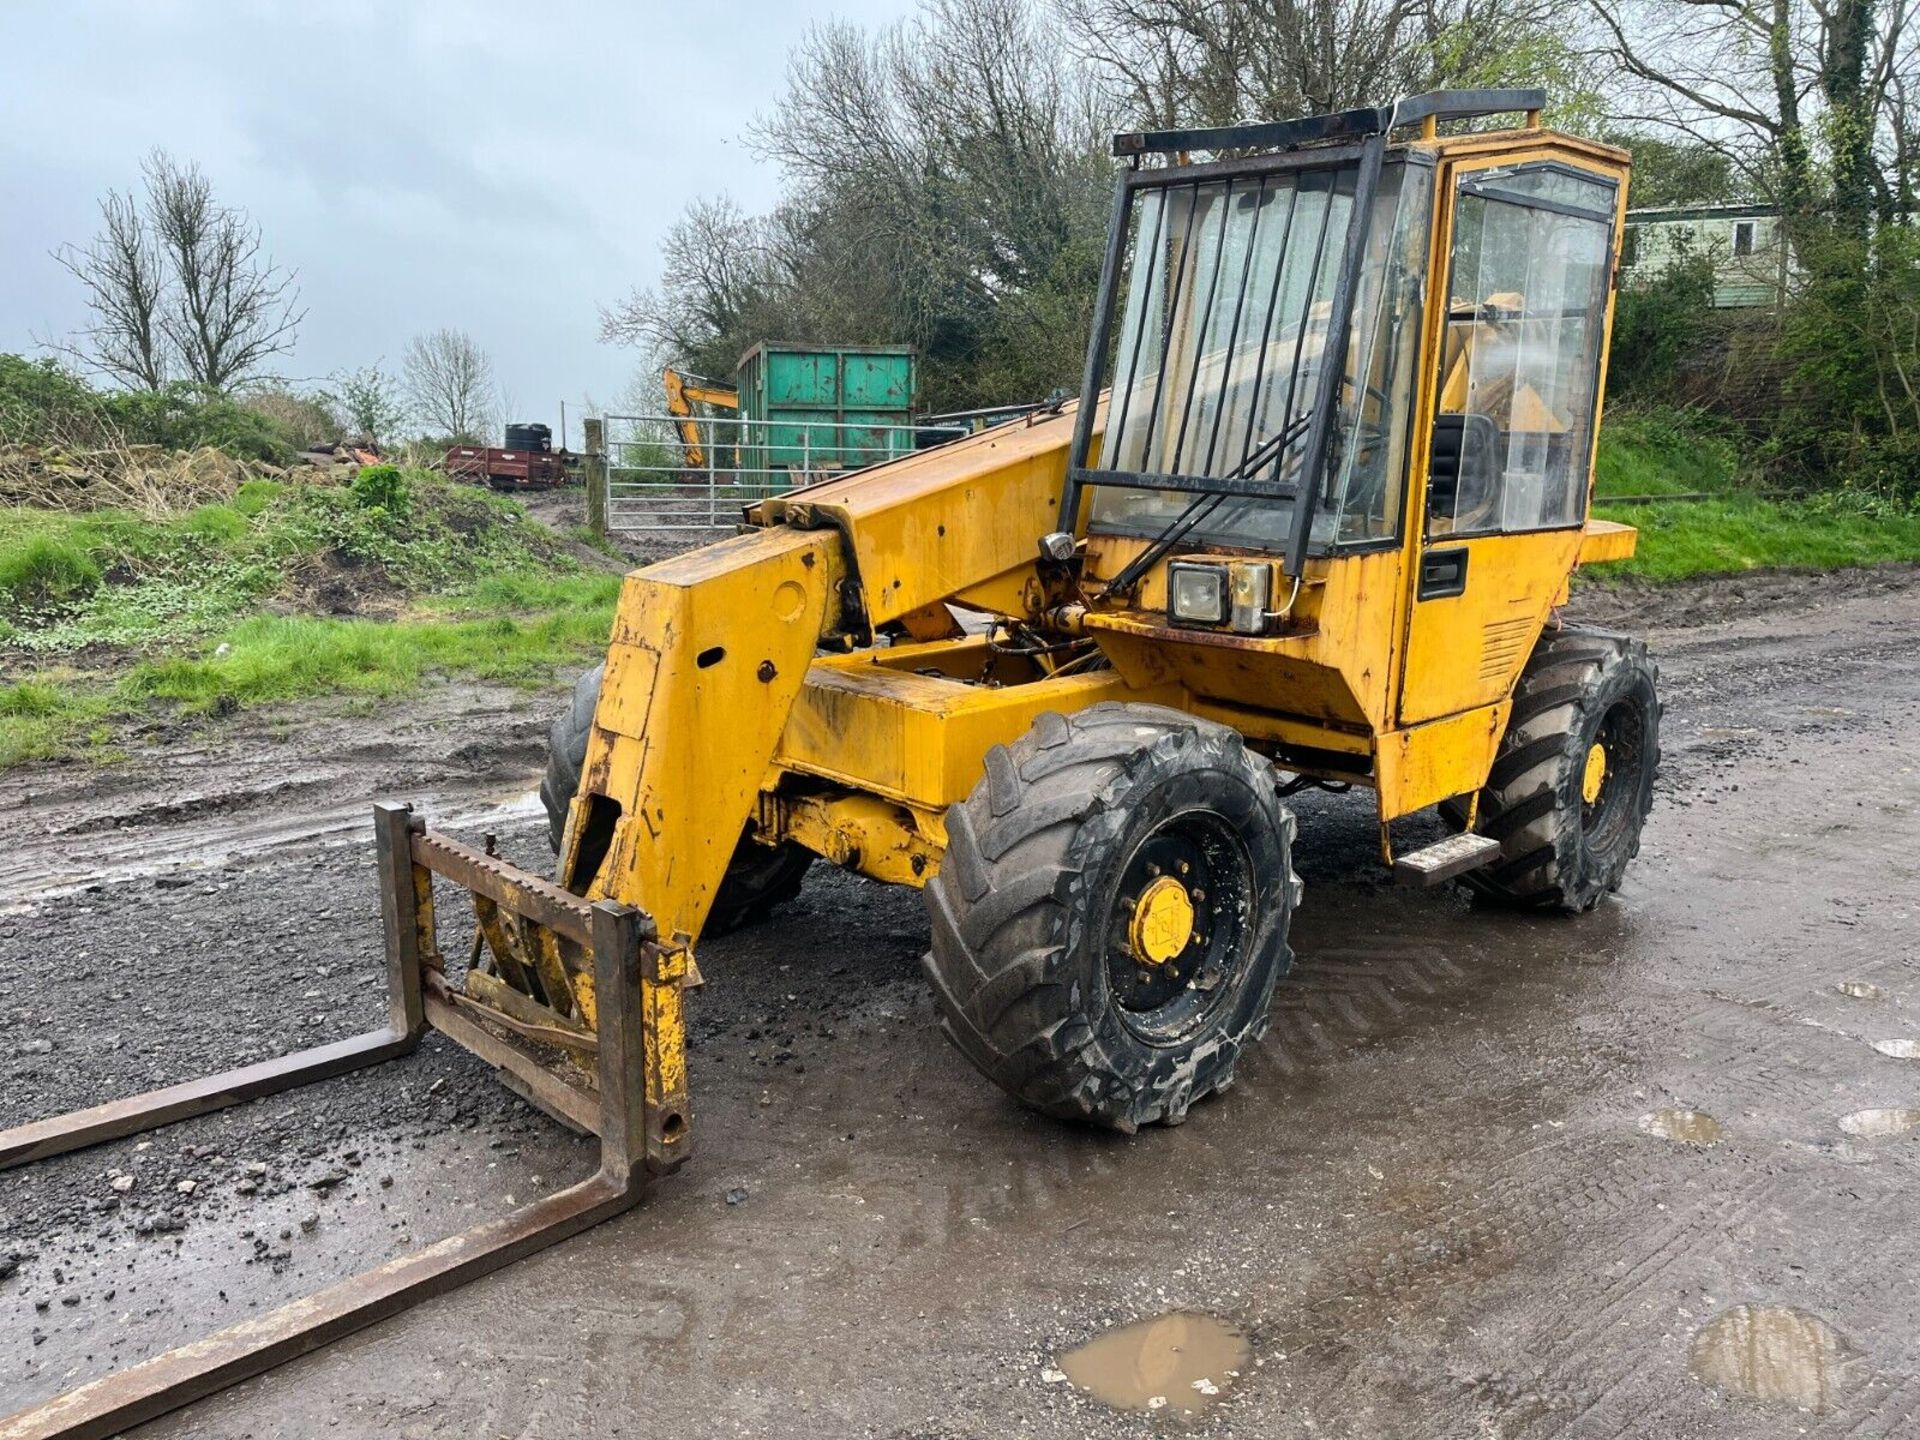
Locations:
(822, 408)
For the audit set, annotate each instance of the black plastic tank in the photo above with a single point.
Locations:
(535, 437)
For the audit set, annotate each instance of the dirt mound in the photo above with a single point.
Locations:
(335, 582)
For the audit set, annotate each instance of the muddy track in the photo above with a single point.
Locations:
(187, 798)
(1428, 1201)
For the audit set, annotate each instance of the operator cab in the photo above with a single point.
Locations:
(1303, 348)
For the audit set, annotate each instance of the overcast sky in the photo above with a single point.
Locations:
(498, 167)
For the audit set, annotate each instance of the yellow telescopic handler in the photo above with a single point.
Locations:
(1308, 525)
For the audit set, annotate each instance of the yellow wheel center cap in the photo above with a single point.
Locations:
(1162, 921)
(1596, 774)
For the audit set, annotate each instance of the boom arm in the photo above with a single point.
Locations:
(710, 649)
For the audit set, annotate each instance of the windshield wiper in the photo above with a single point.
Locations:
(1270, 451)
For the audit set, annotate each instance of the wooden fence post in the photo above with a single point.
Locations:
(596, 475)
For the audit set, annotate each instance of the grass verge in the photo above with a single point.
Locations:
(1663, 452)
(269, 659)
(1679, 541)
(1669, 452)
(108, 618)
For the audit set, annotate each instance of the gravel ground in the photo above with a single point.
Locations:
(1430, 1204)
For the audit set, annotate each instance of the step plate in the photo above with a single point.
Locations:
(1453, 856)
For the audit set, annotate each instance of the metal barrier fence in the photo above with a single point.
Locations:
(695, 472)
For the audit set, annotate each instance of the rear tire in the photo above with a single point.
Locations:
(1043, 973)
(1582, 690)
(758, 877)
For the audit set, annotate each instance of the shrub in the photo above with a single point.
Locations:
(302, 420)
(184, 416)
(1656, 324)
(381, 487)
(40, 402)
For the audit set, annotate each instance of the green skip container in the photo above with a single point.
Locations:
(821, 408)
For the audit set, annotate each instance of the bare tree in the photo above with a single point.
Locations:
(449, 382)
(721, 280)
(228, 308)
(1806, 98)
(126, 285)
(946, 185)
(1202, 62)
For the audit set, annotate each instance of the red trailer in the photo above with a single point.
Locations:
(508, 469)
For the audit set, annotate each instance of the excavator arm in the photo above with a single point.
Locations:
(683, 393)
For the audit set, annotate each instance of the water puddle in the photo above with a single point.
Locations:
(1179, 1363)
(1899, 1049)
(1772, 1353)
(1860, 990)
(1689, 1127)
(1873, 1124)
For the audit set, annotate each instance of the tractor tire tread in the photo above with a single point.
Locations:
(998, 907)
(1527, 804)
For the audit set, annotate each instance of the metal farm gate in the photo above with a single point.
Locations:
(695, 472)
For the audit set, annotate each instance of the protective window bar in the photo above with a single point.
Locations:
(1218, 356)
(1219, 337)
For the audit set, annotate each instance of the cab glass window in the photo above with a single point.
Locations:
(1218, 352)
(1521, 358)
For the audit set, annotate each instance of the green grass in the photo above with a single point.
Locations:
(1670, 452)
(40, 719)
(1718, 537)
(291, 658)
(269, 660)
(1663, 452)
(43, 569)
(69, 582)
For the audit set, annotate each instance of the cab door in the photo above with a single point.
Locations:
(1526, 289)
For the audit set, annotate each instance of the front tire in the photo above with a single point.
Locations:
(1572, 784)
(1111, 916)
(758, 877)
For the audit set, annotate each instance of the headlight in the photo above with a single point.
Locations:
(1196, 594)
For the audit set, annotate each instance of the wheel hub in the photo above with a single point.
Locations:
(1594, 779)
(1162, 923)
(1177, 924)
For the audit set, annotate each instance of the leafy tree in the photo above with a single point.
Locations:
(370, 402)
(1808, 103)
